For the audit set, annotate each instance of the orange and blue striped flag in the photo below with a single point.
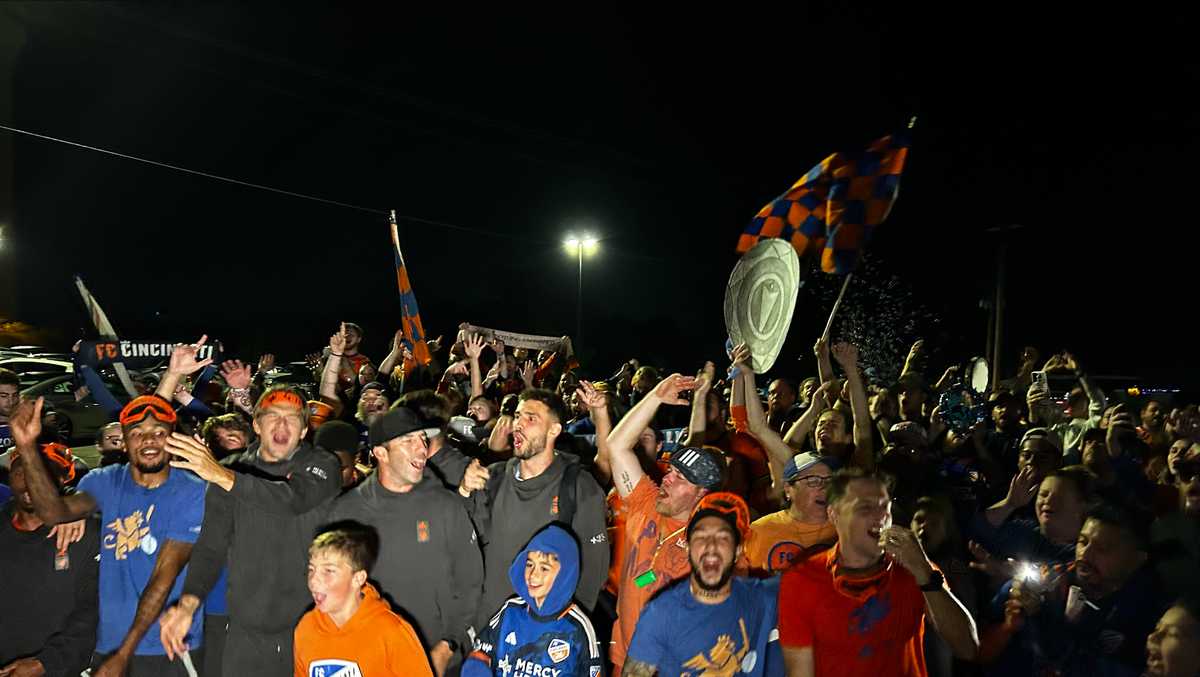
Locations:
(410, 319)
(835, 206)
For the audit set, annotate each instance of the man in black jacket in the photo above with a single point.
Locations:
(429, 562)
(261, 510)
(49, 611)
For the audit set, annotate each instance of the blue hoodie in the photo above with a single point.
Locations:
(556, 640)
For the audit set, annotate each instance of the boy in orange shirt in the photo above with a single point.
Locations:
(351, 632)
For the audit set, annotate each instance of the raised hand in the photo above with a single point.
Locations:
(1069, 362)
(1022, 488)
(708, 375)
(821, 347)
(527, 370)
(591, 398)
(917, 347)
(741, 357)
(183, 358)
(473, 346)
(459, 367)
(846, 355)
(26, 423)
(669, 390)
(337, 342)
(236, 374)
(266, 363)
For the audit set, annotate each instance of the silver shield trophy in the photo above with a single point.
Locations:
(760, 299)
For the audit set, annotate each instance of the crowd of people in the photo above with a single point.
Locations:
(491, 512)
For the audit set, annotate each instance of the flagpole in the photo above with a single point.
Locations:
(838, 302)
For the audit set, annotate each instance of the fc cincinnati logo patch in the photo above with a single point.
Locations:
(422, 532)
(558, 650)
(334, 668)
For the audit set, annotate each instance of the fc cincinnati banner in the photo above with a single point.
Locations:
(137, 354)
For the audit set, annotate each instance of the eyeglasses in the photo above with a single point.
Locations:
(814, 481)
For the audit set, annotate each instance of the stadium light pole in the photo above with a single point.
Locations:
(579, 246)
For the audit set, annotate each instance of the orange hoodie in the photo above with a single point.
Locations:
(375, 641)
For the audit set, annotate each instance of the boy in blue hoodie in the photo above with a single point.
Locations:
(539, 632)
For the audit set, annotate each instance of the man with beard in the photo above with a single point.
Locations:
(861, 607)
(512, 500)
(712, 623)
(1091, 618)
(263, 507)
(48, 612)
(656, 516)
(429, 562)
(151, 515)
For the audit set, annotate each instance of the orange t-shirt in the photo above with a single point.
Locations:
(375, 641)
(779, 540)
(651, 541)
(877, 632)
(617, 514)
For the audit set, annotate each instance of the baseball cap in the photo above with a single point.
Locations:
(727, 506)
(801, 462)
(1043, 434)
(702, 466)
(395, 423)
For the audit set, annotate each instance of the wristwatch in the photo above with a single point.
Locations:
(936, 582)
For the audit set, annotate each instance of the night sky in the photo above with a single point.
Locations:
(662, 135)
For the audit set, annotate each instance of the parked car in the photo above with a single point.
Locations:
(78, 420)
(23, 365)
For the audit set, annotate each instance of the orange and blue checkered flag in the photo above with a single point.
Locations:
(835, 206)
(410, 319)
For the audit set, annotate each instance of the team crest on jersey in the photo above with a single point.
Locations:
(329, 667)
(558, 650)
(422, 532)
(594, 671)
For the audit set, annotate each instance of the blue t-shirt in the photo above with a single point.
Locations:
(135, 522)
(6, 440)
(5, 493)
(740, 636)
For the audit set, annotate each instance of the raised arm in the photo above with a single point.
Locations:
(624, 462)
(183, 362)
(698, 424)
(48, 502)
(808, 420)
(388, 365)
(824, 366)
(778, 452)
(473, 345)
(846, 355)
(333, 366)
(597, 404)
